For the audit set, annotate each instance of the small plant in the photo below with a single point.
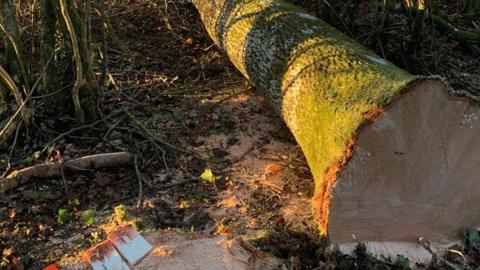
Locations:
(95, 237)
(63, 216)
(184, 204)
(89, 215)
(207, 176)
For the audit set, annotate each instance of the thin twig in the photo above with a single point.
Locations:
(78, 62)
(32, 39)
(426, 245)
(150, 135)
(111, 128)
(103, 47)
(76, 129)
(139, 177)
(109, 29)
(144, 132)
(9, 165)
(7, 79)
(4, 133)
(152, 138)
(64, 180)
(16, 48)
(337, 15)
(53, 93)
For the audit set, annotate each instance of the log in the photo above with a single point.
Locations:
(390, 153)
(52, 170)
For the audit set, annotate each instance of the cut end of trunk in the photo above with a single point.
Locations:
(413, 173)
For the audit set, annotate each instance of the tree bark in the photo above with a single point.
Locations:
(65, 60)
(55, 170)
(330, 90)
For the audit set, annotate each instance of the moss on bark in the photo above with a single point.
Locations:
(320, 81)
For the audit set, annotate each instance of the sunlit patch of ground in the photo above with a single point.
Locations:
(268, 176)
(262, 181)
(181, 251)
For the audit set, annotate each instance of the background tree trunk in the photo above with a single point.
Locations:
(473, 6)
(68, 84)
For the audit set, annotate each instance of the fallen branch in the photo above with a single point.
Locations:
(441, 19)
(455, 32)
(99, 161)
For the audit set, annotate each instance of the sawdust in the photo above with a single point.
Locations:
(252, 127)
(268, 175)
(184, 251)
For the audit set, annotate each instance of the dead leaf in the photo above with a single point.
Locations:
(280, 220)
(12, 215)
(15, 264)
(7, 252)
(274, 169)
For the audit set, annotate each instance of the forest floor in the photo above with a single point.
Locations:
(214, 156)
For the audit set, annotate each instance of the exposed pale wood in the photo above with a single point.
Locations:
(180, 251)
(414, 172)
(413, 251)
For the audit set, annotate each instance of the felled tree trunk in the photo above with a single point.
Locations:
(394, 157)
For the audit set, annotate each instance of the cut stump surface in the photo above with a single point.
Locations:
(413, 173)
